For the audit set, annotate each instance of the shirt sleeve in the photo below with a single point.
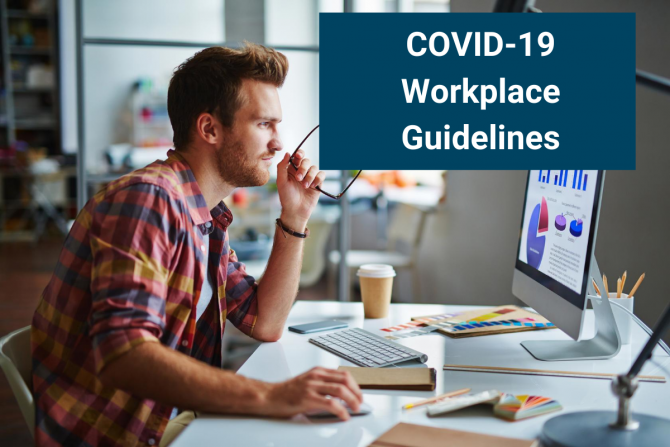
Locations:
(132, 249)
(241, 296)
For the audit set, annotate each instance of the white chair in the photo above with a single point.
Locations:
(16, 362)
(406, 228)
(313, 261)
(314, 256)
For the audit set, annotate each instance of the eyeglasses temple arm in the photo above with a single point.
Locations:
(290, 160)
(350, 183)
(305, 139)
(318, 188)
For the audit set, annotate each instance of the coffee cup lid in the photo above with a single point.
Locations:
(376, 271)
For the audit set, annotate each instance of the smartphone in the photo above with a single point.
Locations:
(317, 327)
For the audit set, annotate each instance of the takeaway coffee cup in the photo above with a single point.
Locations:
(376, 285)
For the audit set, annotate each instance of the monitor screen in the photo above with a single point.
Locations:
(557, 230)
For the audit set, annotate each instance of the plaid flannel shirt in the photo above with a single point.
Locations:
(131, 271)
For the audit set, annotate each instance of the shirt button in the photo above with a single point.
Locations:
(184, 343)
(202, 247)
(151, 441)
(208, 224)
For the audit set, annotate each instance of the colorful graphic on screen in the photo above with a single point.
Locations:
(560, 222)
(576, 227)
(539, 223)
(544, 217)
(556, 224)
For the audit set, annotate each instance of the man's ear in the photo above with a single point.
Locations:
(208, 128)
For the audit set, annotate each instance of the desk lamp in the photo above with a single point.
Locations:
(609, 428)
(613, 429)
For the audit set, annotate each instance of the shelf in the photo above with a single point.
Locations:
(38, 118)
(40, 51)
(23, 14)
(177, 43)
(33, 124)
(33, 90)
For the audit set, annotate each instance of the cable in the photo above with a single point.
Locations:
(642, 325)
(658, 364)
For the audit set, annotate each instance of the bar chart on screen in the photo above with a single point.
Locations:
(560, 178)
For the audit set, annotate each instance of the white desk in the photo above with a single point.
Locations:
(293, 355)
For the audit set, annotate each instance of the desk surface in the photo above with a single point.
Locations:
(293, 355)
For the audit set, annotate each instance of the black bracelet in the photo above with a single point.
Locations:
(286, 229)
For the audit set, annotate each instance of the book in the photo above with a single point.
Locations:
(413, 435)
(416, 379)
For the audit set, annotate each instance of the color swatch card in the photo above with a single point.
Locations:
(506, 406)
(418, 326)
(489, 321)
(524, 406)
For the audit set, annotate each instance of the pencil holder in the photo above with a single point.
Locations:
(622, 318)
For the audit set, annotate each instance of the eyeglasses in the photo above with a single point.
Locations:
(332, 196)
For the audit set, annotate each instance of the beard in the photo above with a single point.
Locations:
(237, 168)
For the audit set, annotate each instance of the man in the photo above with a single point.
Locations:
(130, 325)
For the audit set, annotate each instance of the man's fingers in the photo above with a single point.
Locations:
(331, 406)
(310, 176)
(298, 156)
(342, 377)
(303, 168)
(283, 165)
(318, 181)
(353, 386)
(340, 391)
(296, 159)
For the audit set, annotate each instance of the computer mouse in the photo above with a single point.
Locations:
(362, 411)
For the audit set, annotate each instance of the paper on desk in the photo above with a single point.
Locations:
(467, 400)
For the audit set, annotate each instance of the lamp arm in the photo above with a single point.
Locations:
(652, 81)
(661, 326)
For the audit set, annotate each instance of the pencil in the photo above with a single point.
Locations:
(436, 398)
(595, 286)
(623, 280)
(637, 284)
(607, 289)
(618, 288)
(542, 372)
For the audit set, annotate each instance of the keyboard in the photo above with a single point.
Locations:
(366, 349)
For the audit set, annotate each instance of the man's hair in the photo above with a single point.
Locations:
(210, 82)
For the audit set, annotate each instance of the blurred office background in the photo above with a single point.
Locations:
(452, 236)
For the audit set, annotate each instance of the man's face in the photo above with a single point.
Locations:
(245, 154)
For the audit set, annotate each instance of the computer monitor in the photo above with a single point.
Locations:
(557, 240)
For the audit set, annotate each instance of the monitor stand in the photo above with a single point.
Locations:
(604, 345)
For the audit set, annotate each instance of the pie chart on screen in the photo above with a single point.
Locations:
(539, 223)
(576, 227)
(560, 222)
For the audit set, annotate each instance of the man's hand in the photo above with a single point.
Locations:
(154, 371)
(297, 192)
(308, 392)
(279, 286)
